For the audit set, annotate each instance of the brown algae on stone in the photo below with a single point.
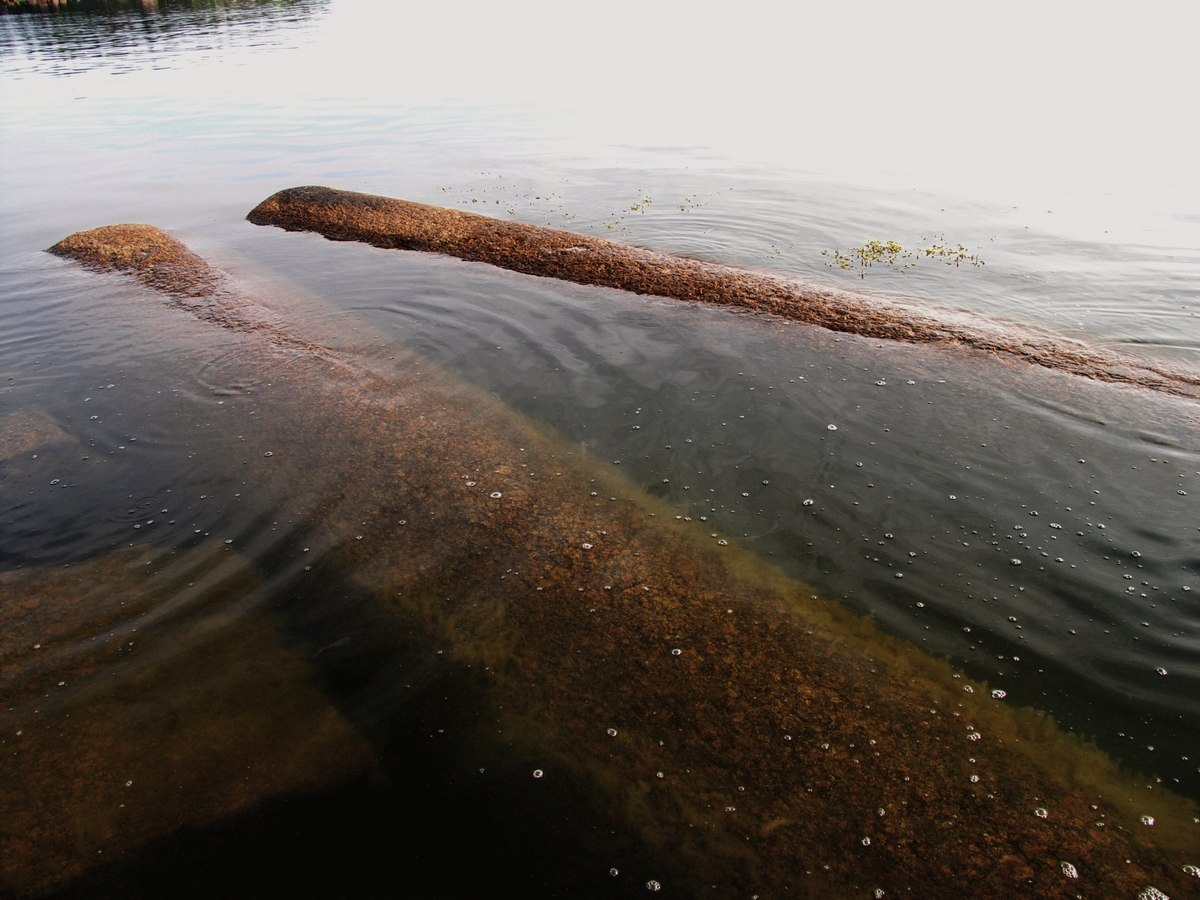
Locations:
(25, 432)
(163, 263)
(536, 250)
(787, 746)
(202, 722)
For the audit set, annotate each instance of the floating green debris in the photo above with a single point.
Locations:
(890, 253)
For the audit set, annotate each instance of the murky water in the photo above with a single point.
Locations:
(1039, 531)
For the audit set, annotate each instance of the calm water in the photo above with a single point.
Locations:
(1041, 533)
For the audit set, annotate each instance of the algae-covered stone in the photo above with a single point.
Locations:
(109, 744)
(547, 252)
(750, 735)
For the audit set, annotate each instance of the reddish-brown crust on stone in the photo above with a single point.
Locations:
(165, 264)
(547, 252)
(787, 746)
(147, 253)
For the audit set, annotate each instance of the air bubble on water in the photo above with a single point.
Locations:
(495, 495)
(866, 842)
(1014, 561)
(1147, 820)
(834, 428)
(538, 773)
(723, 542)
(1041, 812)
(974, 779)
(1152, 893)
(809, 502)
(586, 545)
(269, 453)
(998, 694)
(879, 892)
(614, 872)
(1161, 671)
(974, 736)
(653, 886)
(1194, 871)
(881, 383)
(612, 732)
(675, 651)
(1069, 870)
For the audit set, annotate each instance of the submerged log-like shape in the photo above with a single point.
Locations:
(94, 775)
(535, 250)
(23, 432)
(161, 262)
(759, 740)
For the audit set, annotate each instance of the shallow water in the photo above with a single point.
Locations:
(1039, 531)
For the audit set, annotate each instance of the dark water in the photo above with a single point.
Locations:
(1040, 532)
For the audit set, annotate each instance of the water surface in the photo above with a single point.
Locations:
(1039, 531)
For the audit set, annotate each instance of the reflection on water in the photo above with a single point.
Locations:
(212, 665)
(76, 36)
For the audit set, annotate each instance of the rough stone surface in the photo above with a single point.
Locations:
(118, 734)
(787, 747)
(164, 264)
(534, 250)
